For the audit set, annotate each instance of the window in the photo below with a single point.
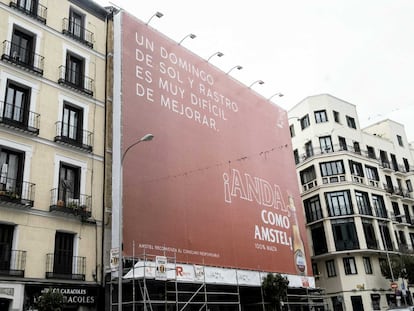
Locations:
(76, 24)
(16, 107)
(342, 143)
(74, 70)
(367, 265)
(371, 152)
(6, 242)
(339, 203)
(409, 185)
(372, 173)
(319, 239)
(304, 122)
(396, 210)
(362, 200)
(72, 122)
(307, 175)
(400, 141)
(345, 234)
(356, 168)
(292, 130)
(296, 156)
(336, 116)
(11, 174)
(369, 234)
(315, 269)
(379, 206)
(407, 213)
(309, 149)
(385, 237)
(384, 159)
(394, 162)
(22, 47)
(351, 122)
(69, 183)
(313, 209)
(330, 268)
(406, 165)
(332, 168)
(349, 265)
(320, 116)
(357, 148)
(325, 143)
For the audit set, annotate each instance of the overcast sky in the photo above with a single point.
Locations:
(359, 51)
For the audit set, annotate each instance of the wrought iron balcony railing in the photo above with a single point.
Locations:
(16, 192)
(74, 80)
(61, 266)
(12, 262)
(19, 118)
(77, 32)
(31, 8)
(74, 136)
(22, 57)
(67, 202)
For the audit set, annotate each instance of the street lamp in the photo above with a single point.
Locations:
(157, 14)
(238, 67)
(257, 81)
(146, 137)
(219, 54)
(191, 36)
(277, 94)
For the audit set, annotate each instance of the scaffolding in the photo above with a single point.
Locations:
(144, 292)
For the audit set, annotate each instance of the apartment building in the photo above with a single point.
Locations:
(356, 187)
(52, 122)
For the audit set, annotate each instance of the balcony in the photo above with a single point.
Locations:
(75, 81)
(31, 8)
(77, 32)
(19, 119)
(12, 262)
(66, 202)
(22, 57)
(59, 266)
(16, 193)
(343, 245)
(73, 136)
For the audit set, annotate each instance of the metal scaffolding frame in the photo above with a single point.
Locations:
(144, 293)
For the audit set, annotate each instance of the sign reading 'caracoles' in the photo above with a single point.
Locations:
(217, 185)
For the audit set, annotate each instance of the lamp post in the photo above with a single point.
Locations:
(191, 36)
(146, 137)
(218, 54)
(157, 14)
(257, 81)
(386, 250)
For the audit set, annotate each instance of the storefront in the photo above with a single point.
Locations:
(75, 297)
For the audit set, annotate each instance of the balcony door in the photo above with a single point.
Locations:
(22, 47)
(16, 106)
(76, 24)
(72, 123)
(6, 240)
(63, 256)
(74, 70)
(69, 178)
(11, 170)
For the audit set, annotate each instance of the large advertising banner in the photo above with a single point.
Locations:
(217, 185)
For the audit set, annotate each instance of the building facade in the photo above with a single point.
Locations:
(356, 187)
(52, 122)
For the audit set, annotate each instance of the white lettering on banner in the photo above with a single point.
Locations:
(185, 89)
(252, 188)
(275, 223)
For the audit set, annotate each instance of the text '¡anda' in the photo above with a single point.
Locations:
(252, 189)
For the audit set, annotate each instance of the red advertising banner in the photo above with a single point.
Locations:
(217, 185)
